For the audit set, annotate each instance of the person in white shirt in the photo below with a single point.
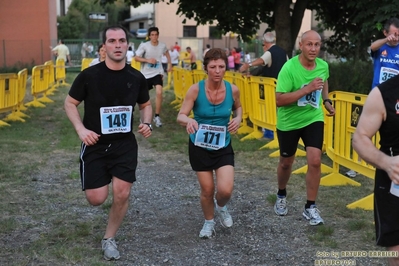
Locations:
(150, 55)
(129, 55)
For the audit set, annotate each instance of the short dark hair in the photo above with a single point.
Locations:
(153, 29)
(214, 54)
(115, 27)
(389, 22)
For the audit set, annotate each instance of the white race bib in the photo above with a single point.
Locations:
(211, 137)
(312, 99)
(116, 119)
(157, 65)
(387, 73)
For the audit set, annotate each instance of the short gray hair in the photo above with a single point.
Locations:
(269, 37)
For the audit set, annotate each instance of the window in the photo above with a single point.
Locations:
(215, 33)
(189, 31)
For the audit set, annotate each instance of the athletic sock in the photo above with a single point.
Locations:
(281, 193)
(309, 203)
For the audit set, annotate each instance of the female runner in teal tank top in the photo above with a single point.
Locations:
(213, 102)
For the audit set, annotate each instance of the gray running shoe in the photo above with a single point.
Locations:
(157, 121)
(225, 217)
(110, 249)
(208, 230)
(280, 207)
(313, 215)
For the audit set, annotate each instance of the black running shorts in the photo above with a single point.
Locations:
(207, 160)
(100, 162)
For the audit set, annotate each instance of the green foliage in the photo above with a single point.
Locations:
(351, 76)
(76, 24)
(355, 23)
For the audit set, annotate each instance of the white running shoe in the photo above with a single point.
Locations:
(313, 215)
(225, 217)
(208, 230)
(157, 121)
(110, 249)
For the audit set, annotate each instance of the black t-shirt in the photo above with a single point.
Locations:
(389, 130)
(109, 99)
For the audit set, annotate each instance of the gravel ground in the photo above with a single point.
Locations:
(165, 218)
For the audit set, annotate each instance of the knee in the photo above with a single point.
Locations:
(285, 165)
(207, 193)
(121, 195)
(95, 199)
(314, 162)
(224, 194)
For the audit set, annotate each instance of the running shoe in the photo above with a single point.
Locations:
(208, 230)
(157, 121)
(110, 249)
(313, 215)
(280, 207)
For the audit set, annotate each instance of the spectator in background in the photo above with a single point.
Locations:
(101, 55)
(272, 60)
(230, 60)
(191, 56)
(208, 46)
(237, 58)
(129, 55)
(177, 47)
(62, 52)
(90, 50)
(83, 50)
(385, 63)
(247, 57)
(174, 56)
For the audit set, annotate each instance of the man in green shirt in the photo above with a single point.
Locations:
(301, 93)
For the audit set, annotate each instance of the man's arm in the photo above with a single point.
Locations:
(287, 98)
(373, 114)
(71, 108)
(145, 118)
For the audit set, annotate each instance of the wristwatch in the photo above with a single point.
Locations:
(327, 100)
(149, 125)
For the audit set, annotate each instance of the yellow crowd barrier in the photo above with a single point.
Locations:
(17, 114)
(8, 94)
(338, 139)
(85, 63)
(40, 86)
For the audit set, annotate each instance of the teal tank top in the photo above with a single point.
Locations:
(207, 113)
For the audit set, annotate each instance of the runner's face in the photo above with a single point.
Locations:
(116, 45)
(216, 70)
(310, 46)
(154, 36)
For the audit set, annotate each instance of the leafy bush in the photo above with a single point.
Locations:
(351, 76)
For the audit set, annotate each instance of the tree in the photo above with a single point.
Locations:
(76, 25)
(243, 16)
(355, 23)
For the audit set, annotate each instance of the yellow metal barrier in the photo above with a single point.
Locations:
(17, 114)
(40, 85)
(135, 64)
(245, 97)
(85, 63)
(8, 93)
(348, 107)
(52, 80)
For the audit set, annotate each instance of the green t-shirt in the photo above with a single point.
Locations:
(292, 77)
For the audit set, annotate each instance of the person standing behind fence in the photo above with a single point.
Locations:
(272, 60)
(62, 52)
(101, 55)
(301, 93)
(191, 56)
(380, 113)
(150, 55)
(212, 101)
(110, 90)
